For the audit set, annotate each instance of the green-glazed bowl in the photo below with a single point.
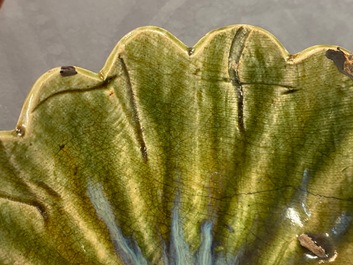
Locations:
(229, 152)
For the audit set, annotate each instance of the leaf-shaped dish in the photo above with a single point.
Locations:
(229, 152)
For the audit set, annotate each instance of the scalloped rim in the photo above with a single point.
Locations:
(34, 95)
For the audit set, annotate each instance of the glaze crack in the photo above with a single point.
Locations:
(40, 207)
(75, 90)
(135, 115)
(330, 197)
(285, 187)
(235, 53)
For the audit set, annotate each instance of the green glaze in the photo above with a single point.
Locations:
(235, 132)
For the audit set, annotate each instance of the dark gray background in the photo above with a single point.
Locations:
(36, 35)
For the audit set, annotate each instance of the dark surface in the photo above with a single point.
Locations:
(36, 36)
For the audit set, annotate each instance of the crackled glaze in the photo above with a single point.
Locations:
(221, 153)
